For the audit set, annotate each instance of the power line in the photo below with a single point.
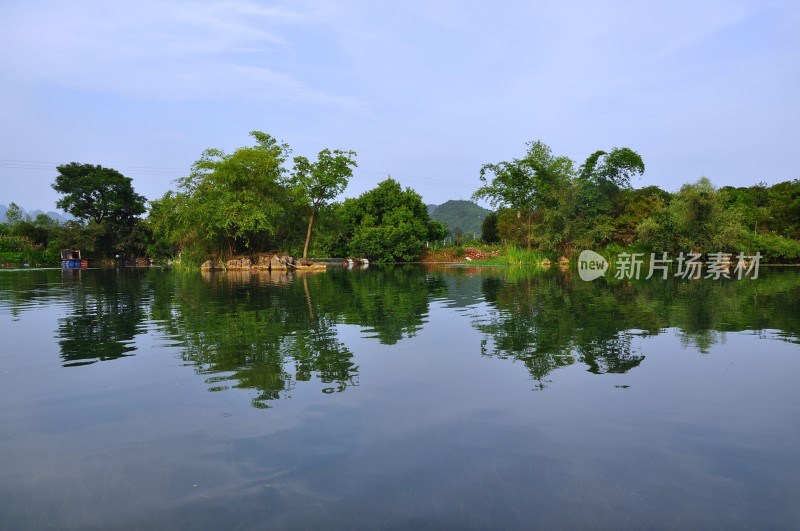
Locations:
(365, 174)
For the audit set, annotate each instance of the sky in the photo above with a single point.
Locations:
(424, 91)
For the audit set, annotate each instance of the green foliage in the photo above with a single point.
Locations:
(601, 180)
(695, 219)
(36, 233)
(547, 206)
(13, 244)
(229, 203)
(518, 256)
(527, 183)
(247, 201)
(387, 224)
(321, 181)
(105, 199)
(36, 256)
(489, 231)
(545, 322)
(783, 200)
(14, 214)
(632, 207)
(74, 235)
(97, 193)
(613, 170)
(327, 232)
(536, 186)
(436, 230)
(774, 248)
(26, 241)
(10, 257)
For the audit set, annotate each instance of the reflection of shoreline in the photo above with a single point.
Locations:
(269, 330)
(260, 278)
(461, 268)
(547, 321)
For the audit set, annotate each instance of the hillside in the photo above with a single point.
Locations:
(461, 215)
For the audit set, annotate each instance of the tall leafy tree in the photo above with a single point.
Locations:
(389, 224)
(229, 201)
(614, 169)
(106, 199)
(600, 180)
(92, 192)
(321, 181)
(534, 185)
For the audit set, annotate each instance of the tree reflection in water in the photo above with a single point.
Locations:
(105, 310)
(548, 319)
(267, 332)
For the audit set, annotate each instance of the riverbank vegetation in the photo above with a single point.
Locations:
(548, 204)
(251, 201)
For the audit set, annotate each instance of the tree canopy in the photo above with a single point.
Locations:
(233, 201)
(321, 181)
(92, 192)
(389, 224)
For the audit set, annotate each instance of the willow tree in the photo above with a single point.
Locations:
(321, 181)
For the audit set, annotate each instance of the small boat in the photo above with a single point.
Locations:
(71, 259)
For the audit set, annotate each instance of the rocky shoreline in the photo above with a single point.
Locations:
(261, 262)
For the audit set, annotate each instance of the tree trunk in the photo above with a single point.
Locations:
(530, 227)
(308, 234)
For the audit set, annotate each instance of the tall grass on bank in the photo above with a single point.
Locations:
(516, 256)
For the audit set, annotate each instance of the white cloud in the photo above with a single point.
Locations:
(160, 50)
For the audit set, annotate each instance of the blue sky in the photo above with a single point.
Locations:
(426, 92)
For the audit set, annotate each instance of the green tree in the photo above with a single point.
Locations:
(38, 231)
(106, 199)
(489, 232)
(632, 207)
(695, 219)
(600, 181)
(97, 193)
(321, 181)
(229, 202)
(784, 207)
(536, 185)
(388, 224)
(14, 214)
(614, 169)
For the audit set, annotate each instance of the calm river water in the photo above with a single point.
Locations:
(398, 398)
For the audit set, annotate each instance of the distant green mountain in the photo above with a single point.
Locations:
(461, 215)
(33, 213)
